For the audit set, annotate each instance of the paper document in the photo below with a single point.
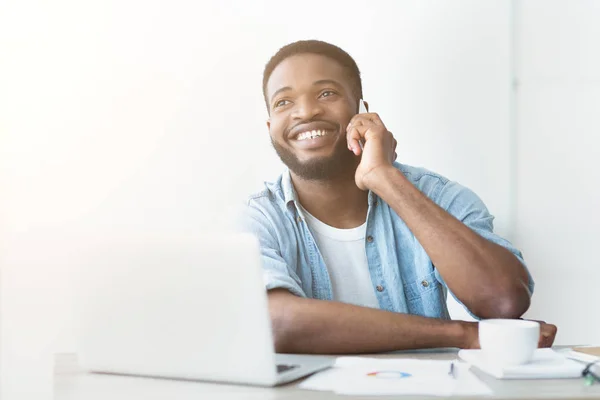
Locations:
(546, 364)
(372, 376)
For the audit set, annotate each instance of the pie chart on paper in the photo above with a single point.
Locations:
(389, 374)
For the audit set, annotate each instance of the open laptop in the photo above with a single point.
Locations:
(187, 308)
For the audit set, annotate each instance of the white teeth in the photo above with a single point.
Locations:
(311, 134)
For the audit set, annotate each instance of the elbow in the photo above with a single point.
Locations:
(511, 305)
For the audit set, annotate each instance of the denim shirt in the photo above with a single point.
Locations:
(402, 274)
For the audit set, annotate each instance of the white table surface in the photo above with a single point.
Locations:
(70, 383)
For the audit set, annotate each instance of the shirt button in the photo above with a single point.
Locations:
(425, 283)
(298, 218)
(370, 239)
(375, 202)
(379, 288)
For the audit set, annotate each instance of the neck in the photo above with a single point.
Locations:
(336, 202)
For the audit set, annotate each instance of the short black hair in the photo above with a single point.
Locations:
(315, 47)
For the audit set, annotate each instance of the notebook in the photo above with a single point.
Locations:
(546, 364)
(586, 354)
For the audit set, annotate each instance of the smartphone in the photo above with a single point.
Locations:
(361, 107)
(361, 110)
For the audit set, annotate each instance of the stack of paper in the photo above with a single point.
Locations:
(546, 364)
(371, 376)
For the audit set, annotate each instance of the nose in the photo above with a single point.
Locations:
(307, 108)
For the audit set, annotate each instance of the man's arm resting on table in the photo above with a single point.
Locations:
(302, 325)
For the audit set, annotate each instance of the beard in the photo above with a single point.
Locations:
(340, 162)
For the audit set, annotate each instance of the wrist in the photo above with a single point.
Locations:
(378, 176)
(467, 335)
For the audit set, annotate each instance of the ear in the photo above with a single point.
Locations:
(366, 105)
(269, 124)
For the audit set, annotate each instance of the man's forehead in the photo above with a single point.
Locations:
(304, 69)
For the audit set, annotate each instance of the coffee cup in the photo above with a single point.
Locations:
(508, 342)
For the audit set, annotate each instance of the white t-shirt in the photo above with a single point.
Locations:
(345, 256)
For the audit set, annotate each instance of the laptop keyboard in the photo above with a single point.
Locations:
(284, 368)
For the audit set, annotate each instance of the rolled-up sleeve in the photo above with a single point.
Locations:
(277, 274)
(467, 207)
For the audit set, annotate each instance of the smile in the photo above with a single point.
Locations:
(312, 134)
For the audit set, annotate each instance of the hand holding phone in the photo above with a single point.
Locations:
(376, 151)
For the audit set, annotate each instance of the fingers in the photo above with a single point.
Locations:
(357, 129)
(357, 133)
(547, 334)
(353, 136)
(367, 118)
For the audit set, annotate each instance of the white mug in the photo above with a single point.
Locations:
(508, 342)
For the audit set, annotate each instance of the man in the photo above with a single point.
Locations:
(359, 251)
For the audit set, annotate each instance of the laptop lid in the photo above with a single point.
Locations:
(179, 307)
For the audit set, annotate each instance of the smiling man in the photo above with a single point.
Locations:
(359, 251)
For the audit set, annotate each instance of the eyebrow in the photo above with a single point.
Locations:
(319, 82)
(327, 81)
(283, 89)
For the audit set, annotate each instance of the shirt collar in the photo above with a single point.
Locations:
(290, 195)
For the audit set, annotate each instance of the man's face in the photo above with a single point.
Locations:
(310, 104)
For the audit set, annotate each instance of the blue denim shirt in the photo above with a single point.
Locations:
(408, 281)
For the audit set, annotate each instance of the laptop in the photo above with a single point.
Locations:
(192, 308)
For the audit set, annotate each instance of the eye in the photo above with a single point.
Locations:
(328, 93)
(281, 103)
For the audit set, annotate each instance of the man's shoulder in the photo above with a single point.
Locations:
(422, 178)
(450, 195)
(270, 194)
(266, 208)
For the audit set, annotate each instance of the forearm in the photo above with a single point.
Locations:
(486, 277)
(325, 327)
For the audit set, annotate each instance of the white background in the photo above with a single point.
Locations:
(125, 116)
(557, 156)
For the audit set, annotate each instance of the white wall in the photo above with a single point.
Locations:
(121, 116)
(558, 152)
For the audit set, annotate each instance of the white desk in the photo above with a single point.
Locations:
(71, 384)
